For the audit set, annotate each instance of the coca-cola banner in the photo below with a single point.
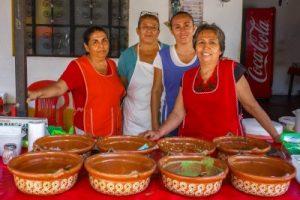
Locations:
(259, 50)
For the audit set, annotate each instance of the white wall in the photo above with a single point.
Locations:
(227, 16)
(287, 41)
(7, 62)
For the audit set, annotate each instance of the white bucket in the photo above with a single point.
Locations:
(11, 134)
(297, 121)
(288, 122)
(296, 164)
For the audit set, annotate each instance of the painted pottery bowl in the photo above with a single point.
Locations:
(191, 175)
(119, 173)
(126, 144)
(78, 144)
(185, 145)
(232, 145)
(45, 173)
(260, 175)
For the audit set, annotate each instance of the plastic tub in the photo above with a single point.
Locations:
(11, 134)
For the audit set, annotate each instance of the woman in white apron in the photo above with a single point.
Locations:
(136, 71)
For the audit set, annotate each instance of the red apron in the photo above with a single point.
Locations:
(102, 110)
(211, 114)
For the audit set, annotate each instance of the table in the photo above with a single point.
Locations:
(83, 191)
(293, 70)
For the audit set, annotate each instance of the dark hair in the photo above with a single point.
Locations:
(213, 27)
(179, 14)
(88, 32)
(148, 16)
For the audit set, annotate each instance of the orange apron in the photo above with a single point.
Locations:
(102, 110)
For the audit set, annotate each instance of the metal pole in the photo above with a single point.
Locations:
(20, 57)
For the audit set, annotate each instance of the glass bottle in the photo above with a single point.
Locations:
(10, 151)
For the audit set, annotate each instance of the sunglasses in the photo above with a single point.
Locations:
(148, 13)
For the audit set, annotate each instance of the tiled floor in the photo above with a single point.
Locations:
(278, 106)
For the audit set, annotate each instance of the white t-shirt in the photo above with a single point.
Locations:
(174, 57)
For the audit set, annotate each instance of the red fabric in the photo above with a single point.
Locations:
(211, 84)
(102, 109)
(82, 190)
(259, 50)
(211, 114)
(74, 80)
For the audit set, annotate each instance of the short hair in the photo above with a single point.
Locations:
(213, 27)
(89, 31)
(180, 13)
(148, 16)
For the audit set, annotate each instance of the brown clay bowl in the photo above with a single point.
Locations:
(45, 173)
(186, 146)
(119, 173)
(126, 144)
(196, 185)
(260, 175)
(78, 144)
(232, 145)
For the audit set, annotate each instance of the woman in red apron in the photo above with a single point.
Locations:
(95, 86)
(207, 104)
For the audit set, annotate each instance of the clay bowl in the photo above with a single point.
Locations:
(178, 175)
(78, 144)
(126, 144)
(232, 145)
(186, 146)
(260, 175)
(119, 173)
(45, 173)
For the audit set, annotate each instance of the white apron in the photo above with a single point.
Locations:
(136, 105)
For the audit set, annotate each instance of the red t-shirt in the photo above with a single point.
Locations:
(75, 82)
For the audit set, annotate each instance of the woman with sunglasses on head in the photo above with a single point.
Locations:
(207, 103)
(95, 86)
(170, 64)
(135, 67)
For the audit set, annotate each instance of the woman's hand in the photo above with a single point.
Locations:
(276, 138)
(151, 135)
(33, 95)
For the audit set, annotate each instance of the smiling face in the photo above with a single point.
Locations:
(182, 28)
(98, 45)
(148, 30)
(208, 47)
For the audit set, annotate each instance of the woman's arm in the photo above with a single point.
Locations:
(248, 101)
(56, 89)
(156, 93)
(173, 121)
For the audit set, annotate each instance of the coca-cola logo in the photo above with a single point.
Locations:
(259, 40)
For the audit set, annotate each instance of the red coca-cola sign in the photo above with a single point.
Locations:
(259, 50)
